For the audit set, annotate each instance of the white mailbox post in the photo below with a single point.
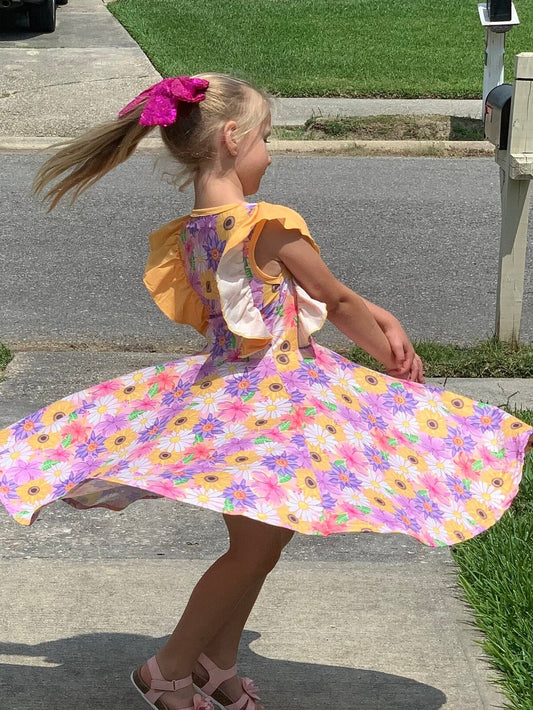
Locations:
(490, 14)
(516, 173)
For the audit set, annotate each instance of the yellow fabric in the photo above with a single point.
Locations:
(168, 283)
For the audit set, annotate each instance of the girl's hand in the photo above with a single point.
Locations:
(408, 364)
(414, 374)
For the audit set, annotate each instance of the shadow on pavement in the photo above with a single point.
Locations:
(90, 672)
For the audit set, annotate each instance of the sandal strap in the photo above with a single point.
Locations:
(160, 685)
(216, 675)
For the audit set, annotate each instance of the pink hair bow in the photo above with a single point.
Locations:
(161, 108)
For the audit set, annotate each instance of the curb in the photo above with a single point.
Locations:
(409, 148)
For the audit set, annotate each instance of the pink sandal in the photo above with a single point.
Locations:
(159, 685)
(216, 676)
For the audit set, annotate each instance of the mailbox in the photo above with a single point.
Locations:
(499, 10)
(497, 113)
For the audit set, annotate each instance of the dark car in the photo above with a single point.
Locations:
(41, 13)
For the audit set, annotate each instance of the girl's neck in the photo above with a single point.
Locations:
(214, 188)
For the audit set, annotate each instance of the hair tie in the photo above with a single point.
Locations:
(161, 108)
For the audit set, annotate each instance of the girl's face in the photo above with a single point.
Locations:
(253, 158)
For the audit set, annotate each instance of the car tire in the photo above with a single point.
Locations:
(43, 17)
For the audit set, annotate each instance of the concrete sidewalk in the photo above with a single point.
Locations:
(351, 621)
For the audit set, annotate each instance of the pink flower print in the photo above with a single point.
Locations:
(235, 410)
(323, 358)
(104, 389)
(290, 314)
(435, 487)
(355, 460)
(78, 430)
(298, 417)
(488, 458)
(327, 526)
(111, 424)
(268, 488)
(165, 380)
(464, 463)
(382, 440)
(201, 451)
(319, 405)
(60, 453)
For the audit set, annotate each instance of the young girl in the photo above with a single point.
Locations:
(265, 426)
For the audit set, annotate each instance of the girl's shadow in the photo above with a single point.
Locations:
(90, 672)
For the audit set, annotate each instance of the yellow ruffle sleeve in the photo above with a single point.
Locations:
(166, 279)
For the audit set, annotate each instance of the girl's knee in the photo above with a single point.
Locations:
(255, 545)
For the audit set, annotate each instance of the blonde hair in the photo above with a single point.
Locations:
(191, 139)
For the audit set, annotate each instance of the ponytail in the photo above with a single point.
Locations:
(190, 134)
(90, 157)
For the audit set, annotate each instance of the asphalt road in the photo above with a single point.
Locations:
(418, 236)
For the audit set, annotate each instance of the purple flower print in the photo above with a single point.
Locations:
(343, 478)
(329, 502)
(282, 464)
(375, 458)
(457, 488)
(27, 426)
(213, 248)
(111, 424)
(7, 489)
(176, 394)
(240, 495)
(458, 440)
(243, 384)
(399, 400)
(407, 522)
(485, 417)
(383, 517)
(153, 431)
(24, 471)
(85, 468)
(312, 374)
(434, 445)
(371, 418)
(92, 447)
(62, 487)
(427, 507)
(208, 426)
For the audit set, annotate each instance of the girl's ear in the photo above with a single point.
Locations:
(229, 137)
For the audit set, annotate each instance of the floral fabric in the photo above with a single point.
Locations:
(291, 435)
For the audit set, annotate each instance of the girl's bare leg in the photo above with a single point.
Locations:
(253, 552)
(223, 647)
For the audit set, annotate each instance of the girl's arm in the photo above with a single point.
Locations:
(346, 310)
(365, 324)
(409, 364)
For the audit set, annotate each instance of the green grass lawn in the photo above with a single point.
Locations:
(496, 576)
(413, 48)
(489, 358)
(5, 356)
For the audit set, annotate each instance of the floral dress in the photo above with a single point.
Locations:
(264, 422)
